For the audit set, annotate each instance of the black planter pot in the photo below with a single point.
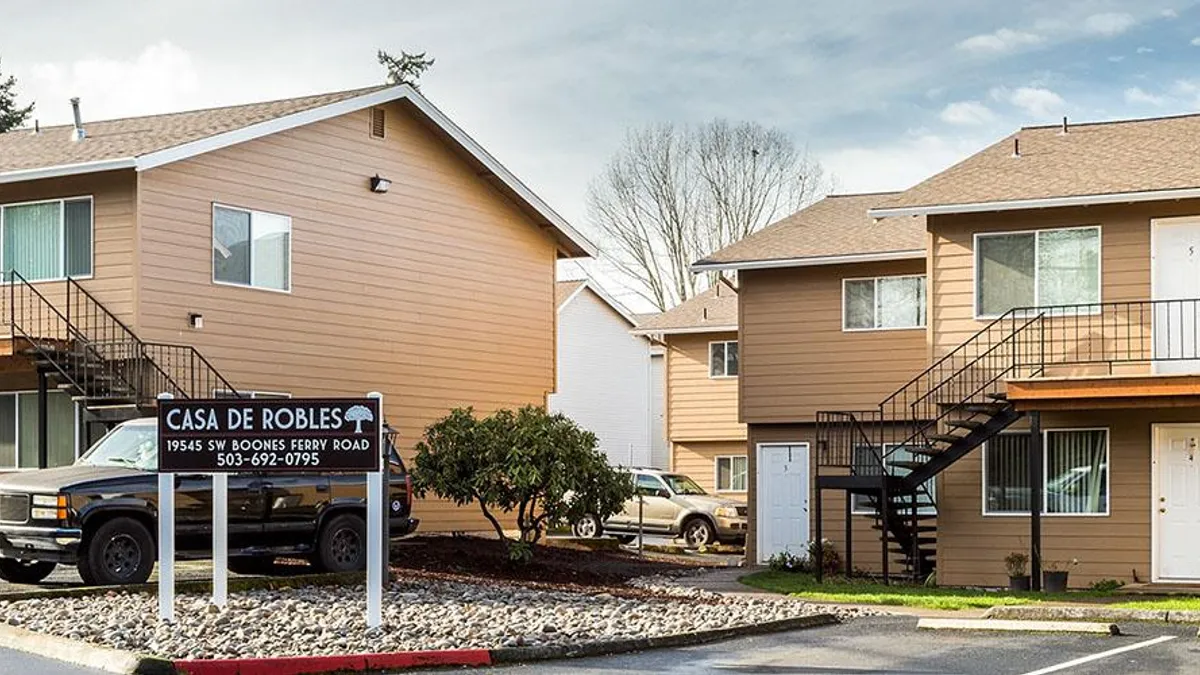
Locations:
(1054, 582)
(1018, 583)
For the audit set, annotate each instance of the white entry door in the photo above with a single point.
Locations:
(1175, 261)
(1177, 502)
(783, 487)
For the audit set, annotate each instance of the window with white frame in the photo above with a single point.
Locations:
(723, 359)
(47, 240)
(731, 473)
(1044, 268)
(867, 464)
(252, 248)
(19, 429)
(1075, 471)
(883, 303)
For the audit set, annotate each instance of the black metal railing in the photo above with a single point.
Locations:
(93, 350)
(1068, 341)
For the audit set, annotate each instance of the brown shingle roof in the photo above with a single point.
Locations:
(135, 136)
(564, 290)
(838, 225)
(1144, 155)
(715, 309)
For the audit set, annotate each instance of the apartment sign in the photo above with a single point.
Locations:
(230, 435)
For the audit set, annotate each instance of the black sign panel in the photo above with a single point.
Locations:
(231, 435)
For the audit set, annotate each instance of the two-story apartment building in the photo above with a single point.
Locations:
(327, 245)
(704, 436)
(1056, 404)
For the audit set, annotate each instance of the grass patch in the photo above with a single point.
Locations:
(1178, 604)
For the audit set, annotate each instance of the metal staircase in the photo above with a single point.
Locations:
(82, 348)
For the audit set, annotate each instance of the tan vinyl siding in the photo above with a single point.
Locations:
(698, 461)
(700, 408)
(439, 293)
(796, 359)
(113, 232)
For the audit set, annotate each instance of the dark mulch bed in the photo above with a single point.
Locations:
(482, 557)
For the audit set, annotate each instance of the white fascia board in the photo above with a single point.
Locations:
(814, 261)
(67, 169)
(1043, 203)
(404, 91)
(604, 297)
(684, 331)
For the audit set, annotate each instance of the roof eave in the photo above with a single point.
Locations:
(684, 330)
(811, 261)
(68, 170)
(1039, 203)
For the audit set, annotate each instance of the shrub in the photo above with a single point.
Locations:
(1016, 563)
(1107, 585)
(787, 562)
(542, 468)
(823, 551)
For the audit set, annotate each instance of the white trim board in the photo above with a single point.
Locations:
(1040, 203)
(685, 331)
(603, 295)
(184, 151)
(813, 261)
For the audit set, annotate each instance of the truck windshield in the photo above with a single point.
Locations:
(682, 485)
(131, 445)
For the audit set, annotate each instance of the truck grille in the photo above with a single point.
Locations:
(14, 508)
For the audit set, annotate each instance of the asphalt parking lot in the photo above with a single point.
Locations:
(893, 645)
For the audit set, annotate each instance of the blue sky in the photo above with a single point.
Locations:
(883, 93)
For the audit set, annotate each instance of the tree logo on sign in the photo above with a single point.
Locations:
(359, 414)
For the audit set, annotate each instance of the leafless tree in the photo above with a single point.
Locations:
(673, 194)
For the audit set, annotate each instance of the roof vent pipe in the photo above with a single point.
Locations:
(704, 314)
(1064, 127)
(77, 134)
(1016, 147)
(37, 127)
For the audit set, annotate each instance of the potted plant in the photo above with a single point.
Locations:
(1054, 575)
(1018, 575)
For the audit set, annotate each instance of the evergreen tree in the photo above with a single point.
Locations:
(11, 116)
(404, 69)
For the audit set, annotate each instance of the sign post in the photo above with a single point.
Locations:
(220, 534)
(375, 543)
(166, 537)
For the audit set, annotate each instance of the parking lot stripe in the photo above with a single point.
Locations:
(1101, 655)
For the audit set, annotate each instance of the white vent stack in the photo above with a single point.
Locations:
(77, 134)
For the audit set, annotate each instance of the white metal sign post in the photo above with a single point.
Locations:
(375, 541)
(166, 541)
(220, 542)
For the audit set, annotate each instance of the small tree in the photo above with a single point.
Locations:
(541, 467)
(404, 69)
(11, 116)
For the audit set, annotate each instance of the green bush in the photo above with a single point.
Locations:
(1107, 585)
(785, 561)
(541, 468)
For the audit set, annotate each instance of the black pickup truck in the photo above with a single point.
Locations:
(100, 515)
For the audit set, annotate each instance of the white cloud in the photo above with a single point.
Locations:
(1145, 50)
(1136, 96)
(1169, 14)
(162, 78)
(1002, 40)
(1195, 42)
(967, 113)
(1034, 101)
(1108, 23)
(1116, 59)
(914, 157)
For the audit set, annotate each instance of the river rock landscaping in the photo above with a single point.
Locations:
(419, 614)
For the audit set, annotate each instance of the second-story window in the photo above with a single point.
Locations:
(47, 240)
(252, 248)
(723, 359)
(1036, 269)
(883, 303)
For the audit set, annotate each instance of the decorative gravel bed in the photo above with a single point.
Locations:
(420, 614)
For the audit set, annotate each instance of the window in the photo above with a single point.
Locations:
(649, 486)
(252, 248)
(19, 429)
(731, 473)
(883, 303)
(866, 464)
(723, 359)
(47, 240)
(1045, 268)
(1075, 472)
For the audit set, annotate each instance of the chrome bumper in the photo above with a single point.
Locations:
(39, 542)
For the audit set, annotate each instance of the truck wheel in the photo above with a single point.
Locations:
(698, 532)
(120, 551)
(24, 571)
(252, 564)
(342, 546)
(587, 527)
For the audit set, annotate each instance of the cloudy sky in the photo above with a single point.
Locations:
(882, 93)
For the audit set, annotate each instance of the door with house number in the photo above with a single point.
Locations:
(1175, 261)
(782, 499)
(1177, 505)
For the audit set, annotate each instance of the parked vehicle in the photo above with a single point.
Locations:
(675, 505)
(100, 515)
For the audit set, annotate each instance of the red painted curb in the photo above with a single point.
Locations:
(308, 665)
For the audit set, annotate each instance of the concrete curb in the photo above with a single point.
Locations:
(1018, 626)
(524, 654)
(1099, 613)
(195, 586)
(312, 665)
(82, 654)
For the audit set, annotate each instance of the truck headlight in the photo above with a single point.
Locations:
(726, 512)
(49, 507)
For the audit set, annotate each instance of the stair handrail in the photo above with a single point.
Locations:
(198, 356)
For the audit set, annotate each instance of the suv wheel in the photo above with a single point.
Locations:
(120, 551)
(587, 527)
(698, 532)
(24, 571)
(342, 546)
